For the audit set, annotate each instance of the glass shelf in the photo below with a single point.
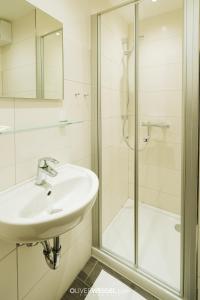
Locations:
(8, 130)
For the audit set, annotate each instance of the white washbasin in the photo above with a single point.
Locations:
(30, 213)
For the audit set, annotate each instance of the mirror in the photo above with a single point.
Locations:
(17, 49)
(31, 52)
(49, 56)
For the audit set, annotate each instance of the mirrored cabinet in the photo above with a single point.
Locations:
(31, 52)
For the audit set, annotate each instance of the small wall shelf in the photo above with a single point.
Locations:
(9, 130)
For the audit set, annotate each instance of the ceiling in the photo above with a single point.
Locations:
(148, 9)
(13, 9)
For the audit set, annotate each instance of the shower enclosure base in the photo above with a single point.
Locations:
(141, 279)
(159, 242)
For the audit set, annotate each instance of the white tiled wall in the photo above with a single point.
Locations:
(25, 267)
(160, 100)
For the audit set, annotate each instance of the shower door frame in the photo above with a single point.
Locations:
(190, 158)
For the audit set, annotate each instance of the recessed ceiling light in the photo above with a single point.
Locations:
(154, 0)
(58, 33)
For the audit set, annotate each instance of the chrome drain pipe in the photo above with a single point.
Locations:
(52, 254)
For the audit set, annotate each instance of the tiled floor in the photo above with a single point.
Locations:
(86, 278)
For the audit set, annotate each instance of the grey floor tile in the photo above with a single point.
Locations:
(83, 275)
(77, 291)
(88, 276)
(94, 274)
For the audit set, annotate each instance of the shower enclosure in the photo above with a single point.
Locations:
(145, 150)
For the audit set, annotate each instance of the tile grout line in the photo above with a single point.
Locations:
(7, 254)
(91, 271)
(35, 284)
(85, 283)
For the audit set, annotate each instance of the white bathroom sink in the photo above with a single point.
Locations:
(30, 213)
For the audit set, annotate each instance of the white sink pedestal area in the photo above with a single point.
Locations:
(30, 213)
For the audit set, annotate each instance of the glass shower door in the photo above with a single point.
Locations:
(117, 132)
(140, 137)
(160, 115)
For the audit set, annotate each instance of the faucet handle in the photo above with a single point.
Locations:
(42, 162)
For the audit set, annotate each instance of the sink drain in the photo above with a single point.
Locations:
(49, 193)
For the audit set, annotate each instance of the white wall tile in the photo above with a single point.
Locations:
(8, 280)
(74, 263)
(37, 113)
(77, 106)
(77, 61)
(5, 248)
(31, 268)
(160, 100)
(7, 159)
(69, 238)
(54, 283)
(167, 77)
(163, 26)
(161, 103)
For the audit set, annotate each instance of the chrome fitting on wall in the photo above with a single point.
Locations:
(52, 254)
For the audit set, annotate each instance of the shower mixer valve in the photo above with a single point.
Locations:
(147, 139)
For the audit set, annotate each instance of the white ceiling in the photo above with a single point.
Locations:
(148, 9)
(13, 9)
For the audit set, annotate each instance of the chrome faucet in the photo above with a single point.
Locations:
(44, 169)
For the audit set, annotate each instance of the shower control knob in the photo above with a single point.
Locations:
(146, 139)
